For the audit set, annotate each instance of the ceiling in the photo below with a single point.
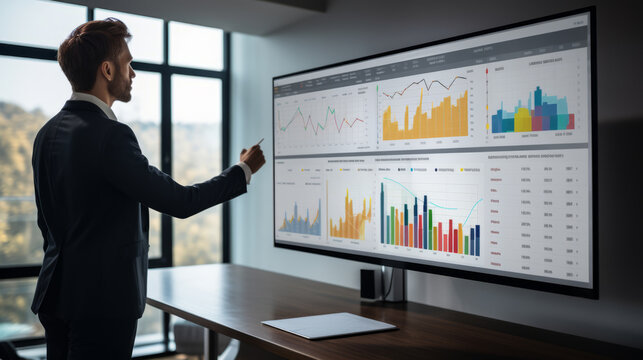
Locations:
(257, 17)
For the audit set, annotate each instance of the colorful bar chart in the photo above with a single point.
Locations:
(446, 120)
(418, 230)
(352, 225)
(306, 226)
(547, 113)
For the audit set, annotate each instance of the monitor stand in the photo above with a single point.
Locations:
(393, 284)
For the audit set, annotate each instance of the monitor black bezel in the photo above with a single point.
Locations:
(590, 293)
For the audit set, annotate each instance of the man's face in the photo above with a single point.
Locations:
(121, 87)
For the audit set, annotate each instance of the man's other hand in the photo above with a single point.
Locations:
(253, 158)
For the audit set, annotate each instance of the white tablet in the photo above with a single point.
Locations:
(329, 325)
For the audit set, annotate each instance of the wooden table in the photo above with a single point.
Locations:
(233, 300)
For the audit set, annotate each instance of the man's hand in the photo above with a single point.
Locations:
(253, 158)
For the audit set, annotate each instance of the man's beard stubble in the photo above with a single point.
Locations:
(120, 87)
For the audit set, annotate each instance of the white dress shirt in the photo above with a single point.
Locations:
(79, 96)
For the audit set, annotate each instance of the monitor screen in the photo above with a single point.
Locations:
(472, 157)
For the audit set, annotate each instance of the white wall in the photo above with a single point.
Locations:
(352, 29)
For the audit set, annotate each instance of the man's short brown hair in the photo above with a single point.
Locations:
(87, 47)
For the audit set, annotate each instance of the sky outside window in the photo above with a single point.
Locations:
(146, 44)
(38, 23)
(196, 46)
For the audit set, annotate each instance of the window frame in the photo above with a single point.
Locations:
(13, 272)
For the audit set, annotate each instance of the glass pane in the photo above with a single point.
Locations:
(196, 146)
(24, 108)
(38, 23)
(146, 44)
(16, 319)
(150, 327)
(196, 46)
(143, 115)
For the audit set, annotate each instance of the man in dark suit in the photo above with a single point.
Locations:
(93, 190)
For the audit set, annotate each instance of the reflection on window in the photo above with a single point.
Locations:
(143, 115)
(38, 23)
(196, 139)
(24, 108)
(146, 44)
(16, 319)
(196, 46)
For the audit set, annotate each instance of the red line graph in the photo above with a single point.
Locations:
(427, 86)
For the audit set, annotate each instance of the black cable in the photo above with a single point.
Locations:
(390, 285)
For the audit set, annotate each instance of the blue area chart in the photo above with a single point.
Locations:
(299, 225)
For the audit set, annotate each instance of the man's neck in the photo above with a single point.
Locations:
(102, 94)
(86, 96)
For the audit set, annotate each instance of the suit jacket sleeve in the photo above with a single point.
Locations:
(42, 225)
(127, 169)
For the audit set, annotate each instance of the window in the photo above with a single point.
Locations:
(196, 139)
(146, 44)
(16, 319)
(186, 46)
(178, 95)
(24, 108)
(143, 115)
(38, 23)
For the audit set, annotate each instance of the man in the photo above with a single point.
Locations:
(93, 189)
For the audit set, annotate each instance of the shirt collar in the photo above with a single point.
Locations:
(79, 96)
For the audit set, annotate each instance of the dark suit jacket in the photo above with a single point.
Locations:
(93, 189)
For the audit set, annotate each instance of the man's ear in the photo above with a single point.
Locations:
(107, 70)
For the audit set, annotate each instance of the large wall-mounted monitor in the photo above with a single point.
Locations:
(472, 157)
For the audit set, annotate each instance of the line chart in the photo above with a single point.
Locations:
(413, 195)
(333, 121)
(427, 86)
(318, 126)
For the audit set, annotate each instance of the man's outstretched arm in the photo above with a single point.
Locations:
(127, 169)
